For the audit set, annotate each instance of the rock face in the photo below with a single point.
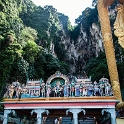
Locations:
(86, 47)
(87, 44)
(83, 48)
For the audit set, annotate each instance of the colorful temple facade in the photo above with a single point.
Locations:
(60, 100)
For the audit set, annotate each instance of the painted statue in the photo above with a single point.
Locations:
(101, 90)
(43, 90)
(107, 89)
(90, 90)
(65, 90)
(96, 88)
(81, 89)
(48, 90)
(84, 90)
(11, 91)
(56, 91)
(72, 90)
(18, 91)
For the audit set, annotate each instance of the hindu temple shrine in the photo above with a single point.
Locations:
(61, 99)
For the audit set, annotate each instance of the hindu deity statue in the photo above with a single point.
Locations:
(48, 89)
(43, 90)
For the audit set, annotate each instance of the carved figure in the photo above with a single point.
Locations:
(48, 90)
(81, 89)
(84, 90)
(43, 90)
(90, 90)
(67, 93)
(72, 90)
(107, 89)
(55, 91)
(101, 86)
(11, 91)
(60, 92)
(18, 91)
(65, 90)
(96, 88)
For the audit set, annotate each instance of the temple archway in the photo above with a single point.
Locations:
(56, 83)
(55, 78)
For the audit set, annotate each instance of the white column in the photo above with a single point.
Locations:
(113, 114)
(75, 112)
(5, 117)
(75, 117)
(39, 117)
(39, 114)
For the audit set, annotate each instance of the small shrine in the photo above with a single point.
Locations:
(61, 99)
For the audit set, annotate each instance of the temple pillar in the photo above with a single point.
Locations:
(113, 114)
(39, 114)
(75, 112)
(6, 112)
(39, 117)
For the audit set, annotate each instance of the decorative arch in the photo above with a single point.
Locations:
(58, 75)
